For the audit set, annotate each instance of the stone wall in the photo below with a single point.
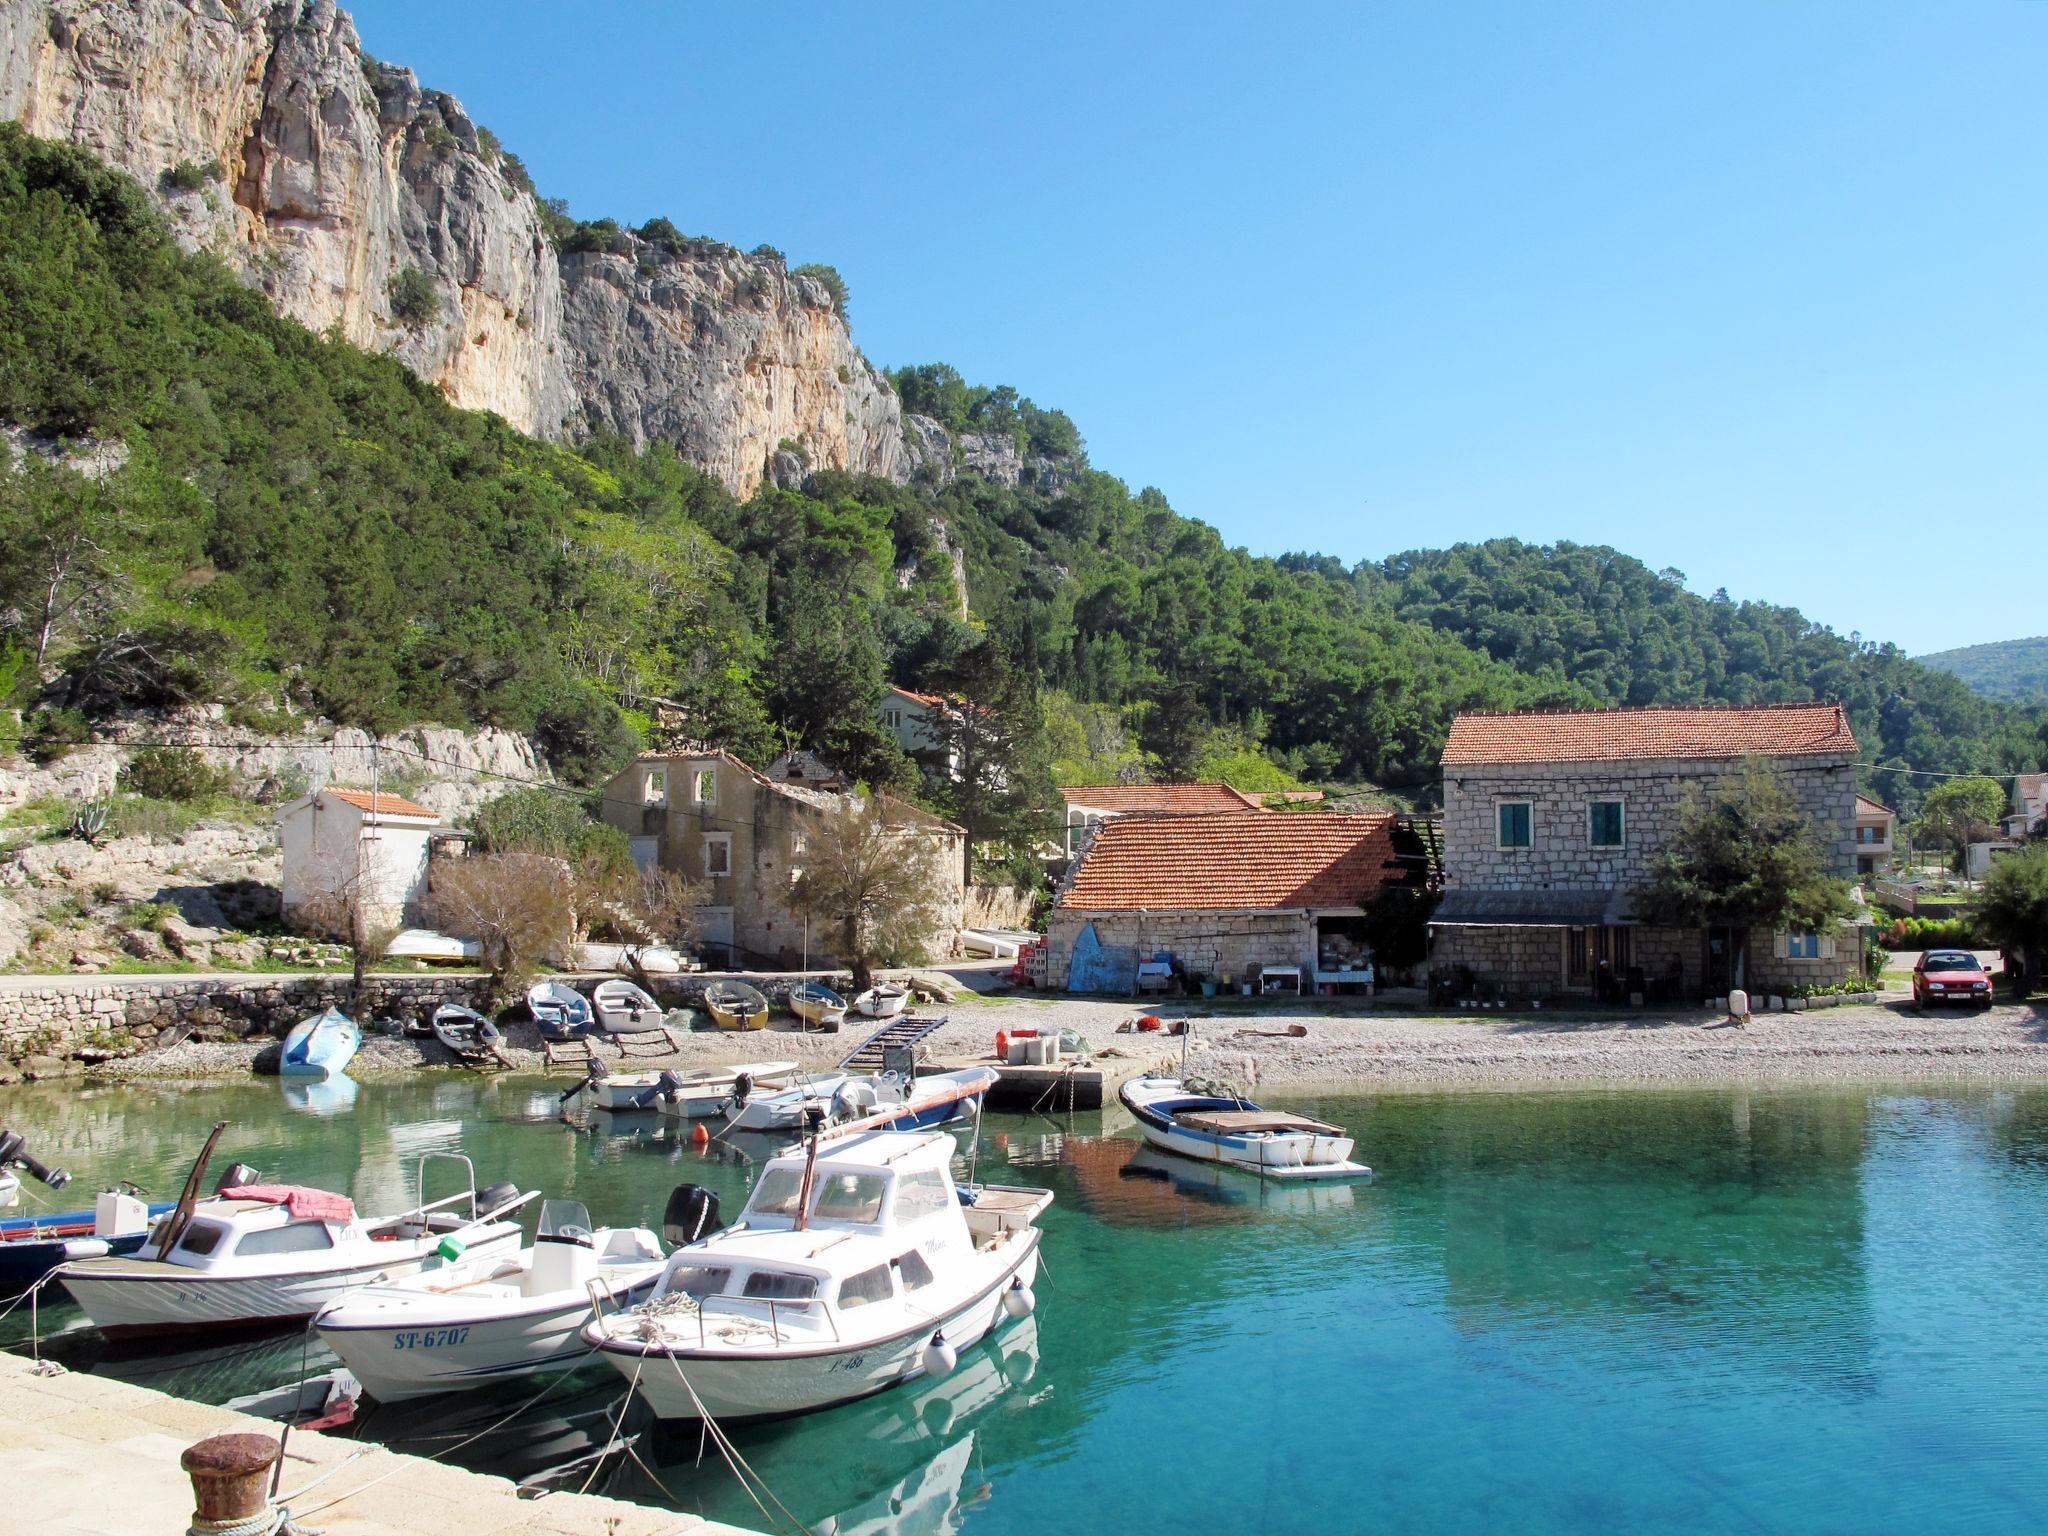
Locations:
(114, 1014)
(1206, 943)
(1531, 962)
(1560, 856)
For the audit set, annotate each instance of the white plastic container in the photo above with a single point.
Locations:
(117, 1215)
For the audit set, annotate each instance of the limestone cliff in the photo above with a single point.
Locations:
(325, 177)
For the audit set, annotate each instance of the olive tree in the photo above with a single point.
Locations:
(2014, 910)
(874, 875)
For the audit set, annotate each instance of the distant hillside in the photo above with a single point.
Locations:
(2005, 669)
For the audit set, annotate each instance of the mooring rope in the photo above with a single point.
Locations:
(737, 1463)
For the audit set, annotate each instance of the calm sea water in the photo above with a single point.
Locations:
(1793, 1311)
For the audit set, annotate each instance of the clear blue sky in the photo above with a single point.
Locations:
(1759, 291)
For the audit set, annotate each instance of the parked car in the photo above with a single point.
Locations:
(1951, 976)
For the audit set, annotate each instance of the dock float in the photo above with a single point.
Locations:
(1078, 1082)
(90, 1456)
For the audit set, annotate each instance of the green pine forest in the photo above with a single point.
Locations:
(302, 527)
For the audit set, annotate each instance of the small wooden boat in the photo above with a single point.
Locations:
(465, 1031)
(858, 1265)
(818, 1005)
(559, 1010)
(735, 1005)
(320, 1046)
(624, 1009)
(884, 1000)
(1225, 1128)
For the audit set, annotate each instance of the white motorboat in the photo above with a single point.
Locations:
(624, 1009)
(884, 1101)
(691, 1094)
(884, 1000)
(484, 1319)
(856, 1267)
(258, 1255)
(1226, 1128)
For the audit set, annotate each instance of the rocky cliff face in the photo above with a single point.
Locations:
(324, 176)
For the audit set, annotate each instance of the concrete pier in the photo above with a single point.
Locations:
(88, 1456)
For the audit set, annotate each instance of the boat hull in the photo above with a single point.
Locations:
(446, 1352)
(732, 1018)
(32, 1246)
(735, 1387)
(1294, 1155)
(143, 1298)
(319, 1047)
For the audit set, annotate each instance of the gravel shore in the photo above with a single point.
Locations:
(1349, 1047)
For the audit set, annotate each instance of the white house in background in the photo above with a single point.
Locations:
(911, 718)
(338, 841)
(2029, 805)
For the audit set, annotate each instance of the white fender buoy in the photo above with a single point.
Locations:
(939, 1357)
(1018, 1300)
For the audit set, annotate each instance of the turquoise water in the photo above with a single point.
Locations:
(1795, 1311)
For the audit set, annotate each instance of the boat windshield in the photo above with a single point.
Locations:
(201, 1238)
(777, 1285)
(568, 1220)
(699, 1280)
(854, 1197)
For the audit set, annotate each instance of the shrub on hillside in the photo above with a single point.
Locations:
(549, 822)
(174, 773)
(51, 733)
(414, 299)
(835, 285)
(191, 175)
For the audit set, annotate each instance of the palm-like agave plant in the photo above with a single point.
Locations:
(89, 821)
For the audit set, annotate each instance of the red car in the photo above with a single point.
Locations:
(1951, 976)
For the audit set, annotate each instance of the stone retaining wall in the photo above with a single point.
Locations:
(116, 1015)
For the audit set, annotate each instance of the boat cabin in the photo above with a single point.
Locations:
(247, 1232)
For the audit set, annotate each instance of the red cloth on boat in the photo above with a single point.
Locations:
(304, 1204)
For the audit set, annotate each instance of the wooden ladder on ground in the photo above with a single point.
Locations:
(905, 1029)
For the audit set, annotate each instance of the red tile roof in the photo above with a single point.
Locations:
(1593, 735)
(1158, 799)
(1865, 806)
(1301, 859)
(382, 804)
(922, 698)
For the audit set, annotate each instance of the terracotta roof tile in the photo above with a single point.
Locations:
(1158, 799)
(1591, 735)
(382, 804)
(1301, 859)
(922, 698)
(1865, 806)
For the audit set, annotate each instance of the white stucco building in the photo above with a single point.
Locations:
(336, 841)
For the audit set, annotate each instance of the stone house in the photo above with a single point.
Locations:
(1876, 835)
(1090, 805)
(742, 836)
(350, 843)
(1552, 819)
(1225, 893)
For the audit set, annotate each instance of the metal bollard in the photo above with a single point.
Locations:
(230, 1477)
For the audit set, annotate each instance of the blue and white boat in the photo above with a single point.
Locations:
(32, 1246)
(559, 1010)
(884, 1101)
(320, 1046)
(1226, 1128)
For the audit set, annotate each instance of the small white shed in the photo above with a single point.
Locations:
(338, 841)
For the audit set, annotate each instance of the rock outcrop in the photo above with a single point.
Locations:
(360, 201)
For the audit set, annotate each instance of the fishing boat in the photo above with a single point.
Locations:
(320, 1046)
(691, 1094)
(32, 1246)
(624, 1009)
(817, 1004)
(262, 1255)
(487, 1318)
(1227, 1128)
(884, 1101)
(465, 1031)
(735, 1005)
(559, 1010)
(858, 1265)
(884, 1000)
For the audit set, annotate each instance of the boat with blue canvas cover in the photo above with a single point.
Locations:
(320, 1046)
(1224, 1127)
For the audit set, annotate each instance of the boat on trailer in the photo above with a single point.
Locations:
(625, 1009)
(1227, 1128)
(264, 1255)
(858, 1265)
(492, 1317)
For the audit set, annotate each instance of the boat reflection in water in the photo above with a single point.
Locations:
(1129, 1183)
(901, 1463)
(321, 1095)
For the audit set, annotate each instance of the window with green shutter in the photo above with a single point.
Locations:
(1515, 819)
(1603, 823)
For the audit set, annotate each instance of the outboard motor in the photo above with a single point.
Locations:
(502, 1193)
(742, 1087)
(12, 1155)
(692, 1214)
(235, 1176)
